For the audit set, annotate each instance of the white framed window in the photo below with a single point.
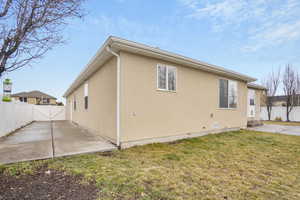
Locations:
(228, 94)
(166, 78)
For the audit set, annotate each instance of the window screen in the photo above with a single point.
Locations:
(86, 102)
(86, 98)
(232, 91)
(172, 78)
(74, 104)
(162, 77)
(223, 85)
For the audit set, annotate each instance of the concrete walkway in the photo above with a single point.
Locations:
(42, 140)
(271, 128)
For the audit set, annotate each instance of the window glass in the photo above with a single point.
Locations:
(232, 91)
(86, 102)
(172, 78)
(86, 93)
(162, 77)
(74, 103)
(223, 90)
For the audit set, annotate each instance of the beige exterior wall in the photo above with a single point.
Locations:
(100, 117)
(148, 113)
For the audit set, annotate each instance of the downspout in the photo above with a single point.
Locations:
(108, 48)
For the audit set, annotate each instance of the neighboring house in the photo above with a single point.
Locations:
(135, 94)
(35, 97)
(281, 100)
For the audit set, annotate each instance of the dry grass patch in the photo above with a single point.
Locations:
(233, 165)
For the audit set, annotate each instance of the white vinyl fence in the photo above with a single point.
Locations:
(279, 111)
(14, 115)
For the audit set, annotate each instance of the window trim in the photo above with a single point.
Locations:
(237, 95)
(167, 78)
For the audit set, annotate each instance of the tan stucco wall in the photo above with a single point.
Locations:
(100, 118)
(149, 113)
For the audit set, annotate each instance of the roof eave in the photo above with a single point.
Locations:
(121, 44)
(257, 87)
(83, 74)
(150, 51)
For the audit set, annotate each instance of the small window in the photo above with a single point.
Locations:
(25, 99)
(228, 94)
(74, 103)
(21, 99)
(166, 78)
(86, 102)
(86, 94)
(252, 102)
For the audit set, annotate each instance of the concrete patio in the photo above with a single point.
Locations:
(42, 140)
(272, 128)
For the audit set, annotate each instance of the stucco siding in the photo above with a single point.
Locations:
(148, 113)
(100, 117)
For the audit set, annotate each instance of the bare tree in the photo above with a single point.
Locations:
(271, 83)
(290, 82)
(29, 28)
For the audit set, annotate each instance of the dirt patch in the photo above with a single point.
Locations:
(46, 184)
(107, 154)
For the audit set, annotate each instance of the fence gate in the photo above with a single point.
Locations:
(47, 113)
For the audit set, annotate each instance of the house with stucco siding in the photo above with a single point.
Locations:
(133, 94)
(35, 97)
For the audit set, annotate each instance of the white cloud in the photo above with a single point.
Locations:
(130, 29)
(265, 22)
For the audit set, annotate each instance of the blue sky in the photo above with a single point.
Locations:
(251, 37)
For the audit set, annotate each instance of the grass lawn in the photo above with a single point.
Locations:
(233, 165)
(282, 123)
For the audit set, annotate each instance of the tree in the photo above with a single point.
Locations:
(290, 82)
(271, 83)
(30, 28)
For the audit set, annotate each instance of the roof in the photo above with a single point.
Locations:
(256, 86)
(281, 98)
(119, 44)
(33, 94)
